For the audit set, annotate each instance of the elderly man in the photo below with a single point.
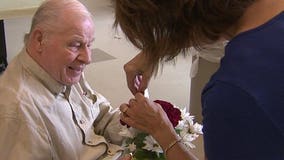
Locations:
(47, 109)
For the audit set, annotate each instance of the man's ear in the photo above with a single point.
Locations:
(37, 39)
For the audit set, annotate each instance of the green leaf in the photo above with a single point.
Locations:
(138, 140)
(142, 154)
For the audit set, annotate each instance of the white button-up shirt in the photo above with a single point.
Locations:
(43, 119)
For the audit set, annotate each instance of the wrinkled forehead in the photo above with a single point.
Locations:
(81, 27)
(74, 18)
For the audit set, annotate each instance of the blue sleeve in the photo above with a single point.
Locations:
(236, 128)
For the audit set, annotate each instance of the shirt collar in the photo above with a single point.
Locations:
(38, 72)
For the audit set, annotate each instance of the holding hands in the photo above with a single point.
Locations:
(140, 112)
(145, 115)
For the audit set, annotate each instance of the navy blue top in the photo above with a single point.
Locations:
(243, 103)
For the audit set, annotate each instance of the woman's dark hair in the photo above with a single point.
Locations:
(164, 28)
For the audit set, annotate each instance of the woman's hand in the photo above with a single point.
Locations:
(145, 115)
(138, 73)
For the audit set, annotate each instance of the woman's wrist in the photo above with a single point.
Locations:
(166, 136)
(172, 144)
(164, 133)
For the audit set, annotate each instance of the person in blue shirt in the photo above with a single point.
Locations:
(243, 102)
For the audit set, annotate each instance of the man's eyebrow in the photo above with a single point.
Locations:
(93, 39)
(77, 37)
(80, 38)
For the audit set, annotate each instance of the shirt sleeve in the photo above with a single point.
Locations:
(107, 123)
(22, 141)
(235, 127)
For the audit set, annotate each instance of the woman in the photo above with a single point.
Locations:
(242, 104)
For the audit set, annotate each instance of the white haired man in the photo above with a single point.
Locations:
(47, 109)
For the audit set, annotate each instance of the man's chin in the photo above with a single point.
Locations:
(71, 81)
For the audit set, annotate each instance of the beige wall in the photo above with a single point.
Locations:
(206, 69)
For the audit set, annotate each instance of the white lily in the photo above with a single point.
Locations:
(152, 145)
(132, 147)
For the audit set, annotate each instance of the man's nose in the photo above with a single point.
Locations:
(85, 55)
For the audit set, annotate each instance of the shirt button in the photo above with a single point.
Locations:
(81, 121)
(90, 142)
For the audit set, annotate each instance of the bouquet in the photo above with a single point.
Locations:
(144, 147)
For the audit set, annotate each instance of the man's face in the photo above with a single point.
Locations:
(67, 50)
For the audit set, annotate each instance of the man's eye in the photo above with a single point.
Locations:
(90, 45)
(76, 44)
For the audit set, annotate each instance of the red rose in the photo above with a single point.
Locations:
(173, 113)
